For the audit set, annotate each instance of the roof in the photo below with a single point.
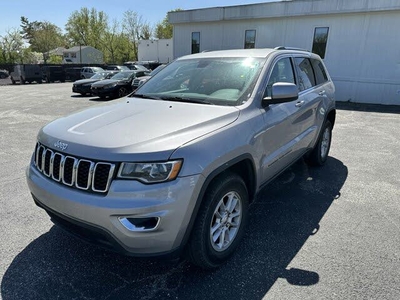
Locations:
(57, 51)
(78, 48)
(285, 8)
(256, 52)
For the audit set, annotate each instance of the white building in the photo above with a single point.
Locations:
(358, 39)
(160, 50)
(83, 54)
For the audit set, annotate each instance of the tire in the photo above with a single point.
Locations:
(208, 247)
(122, 92)
(12, 80)
(21, 80)
(319, 155)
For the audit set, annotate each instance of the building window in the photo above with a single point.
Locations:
(320, 40)
(66, 55)
(73, 55)
(195, 42)
(250, 39)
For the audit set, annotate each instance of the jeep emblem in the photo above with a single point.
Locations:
(61, 145)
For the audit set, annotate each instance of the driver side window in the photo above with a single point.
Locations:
(282, 72)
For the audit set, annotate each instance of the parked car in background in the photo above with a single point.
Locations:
(53, 73)
(140, 80)
(83, 86)
(73, 74)
(117, 68)
(117, 86)
(26, 73)
(4, 74)
(88, 72)
(148, 64)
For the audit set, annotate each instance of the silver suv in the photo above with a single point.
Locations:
(172, 168)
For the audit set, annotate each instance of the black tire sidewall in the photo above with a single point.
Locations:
(232, 183)
(321, 159)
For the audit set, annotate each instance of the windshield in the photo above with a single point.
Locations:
(97, 69)
(156, 70)
(100, 75)
(122, 76)
(219, 81)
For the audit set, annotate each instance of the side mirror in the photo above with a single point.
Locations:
(282, 92)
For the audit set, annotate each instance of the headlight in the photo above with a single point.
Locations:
(150, 172)
(109, 86)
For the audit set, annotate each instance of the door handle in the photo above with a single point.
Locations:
(321, 93)
(299, 103)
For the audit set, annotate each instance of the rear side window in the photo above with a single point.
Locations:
(305, 72)
(319, 70)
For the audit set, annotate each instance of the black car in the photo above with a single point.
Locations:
(83, 86)
(117, 68)
(117, 86)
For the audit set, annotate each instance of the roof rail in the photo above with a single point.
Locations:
(290, 48)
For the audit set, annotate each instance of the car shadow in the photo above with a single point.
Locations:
(379, 108)
(284, 215)
(81, 96)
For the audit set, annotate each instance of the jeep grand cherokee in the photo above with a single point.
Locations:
(172, 168)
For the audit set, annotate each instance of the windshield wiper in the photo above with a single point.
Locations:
(183, 99)
(144, 96)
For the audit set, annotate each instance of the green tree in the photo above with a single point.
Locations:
(135, 28)
(110, 42)
(164, 29)
(87, 27)
(12, 46)
(42, 36)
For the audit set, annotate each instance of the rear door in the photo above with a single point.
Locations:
(311, 94)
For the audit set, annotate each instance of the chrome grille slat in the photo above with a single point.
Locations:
(71, 171)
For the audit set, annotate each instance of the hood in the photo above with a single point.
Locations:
(105, 82)
(85, 81)
(135, 129)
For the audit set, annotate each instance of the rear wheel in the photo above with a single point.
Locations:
(319, 155)
(220, 223)
(21, 80)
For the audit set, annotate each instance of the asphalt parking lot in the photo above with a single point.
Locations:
(314, 233)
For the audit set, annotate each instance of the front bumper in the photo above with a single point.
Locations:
(99, 218)
(82, 89)
(109, 92)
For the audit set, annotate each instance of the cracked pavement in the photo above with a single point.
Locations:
(314, 233)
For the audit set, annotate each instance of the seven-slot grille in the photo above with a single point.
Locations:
(75, 172)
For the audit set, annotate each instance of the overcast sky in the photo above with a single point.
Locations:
(58, 12)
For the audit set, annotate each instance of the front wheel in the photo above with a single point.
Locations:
(220, 223)
(122, 92)
(319, 155)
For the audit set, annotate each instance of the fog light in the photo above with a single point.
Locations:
(140, 224)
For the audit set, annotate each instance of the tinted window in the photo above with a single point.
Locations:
(282, 72)
(305, 72)
(319, 70)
